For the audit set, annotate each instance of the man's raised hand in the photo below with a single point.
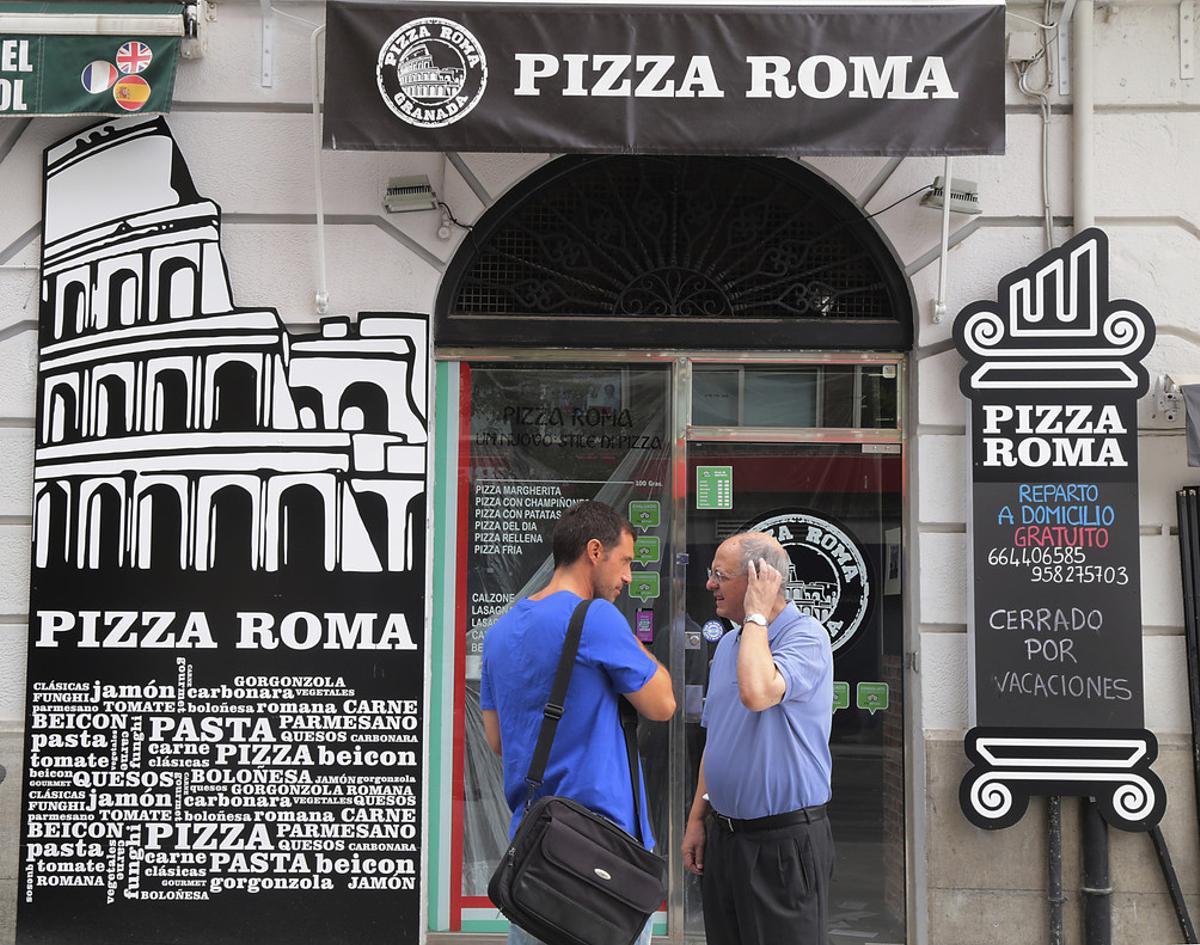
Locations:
(763, 584)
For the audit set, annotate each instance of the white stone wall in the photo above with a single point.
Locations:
(982, 887)
(249, 149)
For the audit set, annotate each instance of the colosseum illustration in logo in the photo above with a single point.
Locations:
(828, 577)
(431, 72)
(179, 431)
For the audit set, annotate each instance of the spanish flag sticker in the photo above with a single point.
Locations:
(131, 92)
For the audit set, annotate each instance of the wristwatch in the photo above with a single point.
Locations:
(755, 618)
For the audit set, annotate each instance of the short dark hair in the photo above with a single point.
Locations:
(582, 522)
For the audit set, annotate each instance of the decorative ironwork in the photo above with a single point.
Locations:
(678, 237)
(685, 252)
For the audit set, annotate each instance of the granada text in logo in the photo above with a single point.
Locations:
(431, 72)
(828, 577)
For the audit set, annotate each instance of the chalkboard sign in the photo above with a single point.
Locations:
(1053, 374)
(226, 645)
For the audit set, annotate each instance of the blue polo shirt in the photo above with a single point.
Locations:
(771, 762)
(588, 761)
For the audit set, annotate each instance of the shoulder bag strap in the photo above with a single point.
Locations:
(558, 697)
(629, 725)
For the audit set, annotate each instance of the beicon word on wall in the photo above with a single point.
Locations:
(1053, 374)
(226, 649)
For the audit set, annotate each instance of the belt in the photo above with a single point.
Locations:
(805, 815)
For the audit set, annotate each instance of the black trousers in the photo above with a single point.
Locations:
(768, 887)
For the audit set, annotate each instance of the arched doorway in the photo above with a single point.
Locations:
(171, 401)
(309, 409)
(110, 412)
(364, 408)
(705, 344)
(73, 317)
(235, 405)
(122, 298)
(104, 538)
(160, 518)
(302, 528)
(64, 418)
(231, 530)
(177, 290)
(53, 527)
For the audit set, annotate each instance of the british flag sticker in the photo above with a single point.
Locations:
(134, 57)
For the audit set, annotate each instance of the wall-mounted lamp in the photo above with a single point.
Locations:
(964, 196)
(1175, 401)
(1168, 398)
(407, 194)
(410, 194)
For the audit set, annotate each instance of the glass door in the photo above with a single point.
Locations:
(827, 481)
(533, 439)
(692, 451)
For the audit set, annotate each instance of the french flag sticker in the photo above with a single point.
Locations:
(99, 76)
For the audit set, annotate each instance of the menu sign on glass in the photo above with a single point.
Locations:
(1053, 374)
(226, 646)
(539, 441)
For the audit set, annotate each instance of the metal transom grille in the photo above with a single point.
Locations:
(679, 238)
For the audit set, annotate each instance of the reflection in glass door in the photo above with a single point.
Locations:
(534, 440)
(836, 508)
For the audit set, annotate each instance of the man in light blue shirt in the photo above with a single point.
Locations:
(758, 833)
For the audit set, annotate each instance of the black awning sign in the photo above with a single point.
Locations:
(886, 79)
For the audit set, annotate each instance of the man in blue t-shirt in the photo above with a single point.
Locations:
(593, 551)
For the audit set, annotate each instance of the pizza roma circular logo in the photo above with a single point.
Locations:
(828, 577)
(431, 72)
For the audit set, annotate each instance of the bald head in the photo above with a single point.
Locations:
(751, 546)
(729, 575)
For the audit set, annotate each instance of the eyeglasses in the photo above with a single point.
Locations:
(714, 574)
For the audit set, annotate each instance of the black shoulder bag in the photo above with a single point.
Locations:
(572, 876)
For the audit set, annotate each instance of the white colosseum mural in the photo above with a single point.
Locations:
(177, 430)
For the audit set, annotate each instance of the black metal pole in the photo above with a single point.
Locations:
(1168, 871)
(1187, 502)
(1097, 888)
(1054, 891)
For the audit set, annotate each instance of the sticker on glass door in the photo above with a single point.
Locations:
(828, 577)
(714, 487)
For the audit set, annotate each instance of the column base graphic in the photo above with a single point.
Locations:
(1012, 765)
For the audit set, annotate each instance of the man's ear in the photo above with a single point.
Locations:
(595, 549)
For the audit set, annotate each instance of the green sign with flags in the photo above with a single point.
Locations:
(80, 59)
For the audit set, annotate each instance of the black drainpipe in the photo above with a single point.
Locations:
(1097, 887)
(1054, 891)
(1187, 502)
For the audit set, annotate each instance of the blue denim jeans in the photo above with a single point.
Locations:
(518, 936)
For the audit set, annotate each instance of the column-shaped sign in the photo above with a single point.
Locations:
(1053, 374)
(226, 647)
